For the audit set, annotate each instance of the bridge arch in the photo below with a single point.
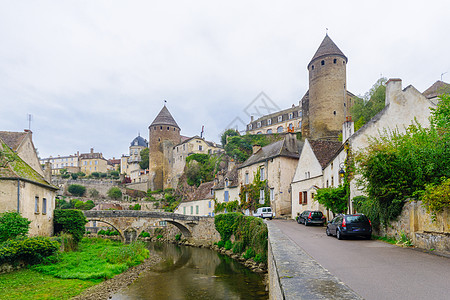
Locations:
(115, 226)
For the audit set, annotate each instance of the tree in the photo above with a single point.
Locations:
(12, 225)
(114, 193)
(70, 221)
(373, 102)
(74, 176)
(93, 193)
(227, 133)
(77, 190)
(335, 199)
(144, 158)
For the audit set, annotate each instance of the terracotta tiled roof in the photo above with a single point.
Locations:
(13, 139)
(327, 47)
(438, 88)
(324, 150)
(164, 118)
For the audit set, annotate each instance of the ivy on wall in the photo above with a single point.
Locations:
(250, 193)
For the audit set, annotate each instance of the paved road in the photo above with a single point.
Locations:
(374, 269)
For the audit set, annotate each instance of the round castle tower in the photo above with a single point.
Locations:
(164, 133)
(328, 98)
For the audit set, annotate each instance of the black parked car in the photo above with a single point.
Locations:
(350, 225)
(309, 217)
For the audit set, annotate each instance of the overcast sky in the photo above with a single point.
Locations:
(96, 73)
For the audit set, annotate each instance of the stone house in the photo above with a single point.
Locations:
(287, 120)
(187, 147)
(25, 190)
(276, 163)
(202, 202)
(309, 175)
(57, 163)
(227, 186)
(93, 162)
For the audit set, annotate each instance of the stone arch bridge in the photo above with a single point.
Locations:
(130, 223)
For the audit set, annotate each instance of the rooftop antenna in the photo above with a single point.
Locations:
(442, 74)
(29, 119)
(165, 102)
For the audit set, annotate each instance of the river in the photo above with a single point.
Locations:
(194, 273)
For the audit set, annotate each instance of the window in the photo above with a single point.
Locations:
(226, 182)
(305, 197)
(261, 196)
(334, 112)
(332, 181)
(280, 118)
(334, 61)
(44, 205)
(269, 131)
(192, 210)
(160, 128)
(196, 209)
(36, 205)
(291, 127)
(280, 129)
(322, 62)
(168, 128)
(209, 204)
(262, 174)
(184, 210)
(299, 124)
(258, 124)
(246, 178)
(249, 126)
(272, 194)
(212, 192)
(291, 115)
(259, 132)
(226, 196)
(200, 148)
(312, 67)
(269, 122)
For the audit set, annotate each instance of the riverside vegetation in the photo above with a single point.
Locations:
(54, 274)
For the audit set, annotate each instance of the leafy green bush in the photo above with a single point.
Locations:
(31, 250)
(77, 190)
(70, 221)
(93, 193)
(178, 237)
(144, 234)
(108, 232)
(12, 225)
(95, 174)
(238, 247)
(137, 206)
(436, 197)
(160, 236)
(228, 245)
(89, 204)
(74, 176)
(333, 198)
(249, 253)
(114, 193)
(226, 224)
(220, 244)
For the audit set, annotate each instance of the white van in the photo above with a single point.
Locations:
(264, 212)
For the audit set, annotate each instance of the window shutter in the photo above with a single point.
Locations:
(300, 197)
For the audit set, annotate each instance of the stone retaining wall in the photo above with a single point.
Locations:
(418, 225)
(293, 274)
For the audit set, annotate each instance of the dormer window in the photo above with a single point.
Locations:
(291, 115)
(226, 182)
(280, 118)
(269, 122)
(250, 126)
(258, 124)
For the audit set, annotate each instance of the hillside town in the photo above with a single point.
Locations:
(293, 161)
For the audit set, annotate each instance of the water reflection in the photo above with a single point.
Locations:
(194, 273)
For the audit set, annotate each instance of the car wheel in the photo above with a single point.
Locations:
(328, 232)
(306, 223)
(338, 234)
(298, 221)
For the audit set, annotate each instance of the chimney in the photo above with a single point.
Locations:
(231, 164)
(393, 88)
(348, 128)
(251, 118)
(48, 172)
(92, 150)
(256, 148)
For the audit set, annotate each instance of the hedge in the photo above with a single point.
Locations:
(30, 250)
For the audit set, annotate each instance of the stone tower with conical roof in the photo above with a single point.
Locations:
(329, 101)
(164, 133)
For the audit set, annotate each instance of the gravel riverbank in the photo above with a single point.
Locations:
(105, 289)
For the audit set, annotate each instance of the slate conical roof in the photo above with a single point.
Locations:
(165, 118)
(327, 47)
